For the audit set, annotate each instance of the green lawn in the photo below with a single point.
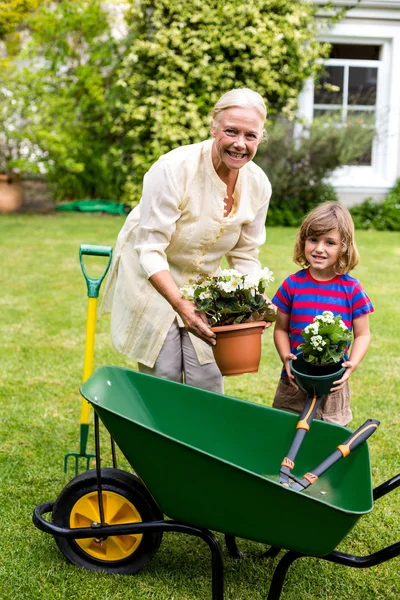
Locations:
(43, 314)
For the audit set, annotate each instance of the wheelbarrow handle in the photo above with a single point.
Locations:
(356, 439)
(359, 436)
(303, 425)
(94, 283)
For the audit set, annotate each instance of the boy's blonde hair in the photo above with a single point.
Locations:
(322, 219)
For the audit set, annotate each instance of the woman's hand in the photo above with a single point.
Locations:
(195, 321)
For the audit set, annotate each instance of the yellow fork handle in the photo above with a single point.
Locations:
(88, 361)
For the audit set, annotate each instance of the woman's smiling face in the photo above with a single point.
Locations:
(237, 135)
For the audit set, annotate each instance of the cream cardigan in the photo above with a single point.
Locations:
(179, 225)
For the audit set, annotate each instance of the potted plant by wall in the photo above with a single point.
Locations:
(237, 310)
(323, 350)
(11, 190)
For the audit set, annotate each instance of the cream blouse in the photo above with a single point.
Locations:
(179, 226)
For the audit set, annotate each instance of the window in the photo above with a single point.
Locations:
(348, 89)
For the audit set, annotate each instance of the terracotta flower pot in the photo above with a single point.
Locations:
(11, 193)
(238, 347)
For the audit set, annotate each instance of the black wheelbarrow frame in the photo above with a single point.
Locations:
(164, 526)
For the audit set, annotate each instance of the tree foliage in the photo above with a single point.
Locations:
(183, 54)
(13, 14)
(94, 112)
(61, 99)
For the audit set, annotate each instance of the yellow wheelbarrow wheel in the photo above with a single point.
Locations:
(125, 500)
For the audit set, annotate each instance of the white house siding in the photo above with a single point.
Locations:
(371, 23)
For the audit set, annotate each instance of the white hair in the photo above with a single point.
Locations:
(239, 97)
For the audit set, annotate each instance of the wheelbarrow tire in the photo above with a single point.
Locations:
(126, 500)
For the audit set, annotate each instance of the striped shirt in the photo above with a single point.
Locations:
(303, 298)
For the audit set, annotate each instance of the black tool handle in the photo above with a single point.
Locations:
(359, 436)
(303, 424)
(355, 440)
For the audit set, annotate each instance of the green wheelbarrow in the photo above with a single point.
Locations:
(201, 458)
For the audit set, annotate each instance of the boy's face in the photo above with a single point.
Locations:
(322, 253)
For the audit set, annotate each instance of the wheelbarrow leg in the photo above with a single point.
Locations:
(217, 567)
(280, 574)
(234, 551)
(232, 547)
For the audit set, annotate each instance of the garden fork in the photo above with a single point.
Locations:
(93, 289)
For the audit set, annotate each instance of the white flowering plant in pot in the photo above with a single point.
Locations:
(232, 297)
(325, 339)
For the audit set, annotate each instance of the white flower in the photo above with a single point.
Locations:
(342, 325)
(226, 286)
(329, 316)
(230, 273)
(316, 340)
(250, 281)
(188, 291)
(313, 327)
(266, 276)
(205, 295)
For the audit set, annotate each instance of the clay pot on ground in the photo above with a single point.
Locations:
(11, 193)
(238, 347)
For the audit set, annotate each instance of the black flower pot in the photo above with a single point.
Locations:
(315, 379)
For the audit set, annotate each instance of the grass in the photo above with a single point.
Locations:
(43, 312)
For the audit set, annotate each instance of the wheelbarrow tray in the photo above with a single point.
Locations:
(213, 461)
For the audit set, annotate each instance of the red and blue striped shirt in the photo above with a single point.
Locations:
(303, 298)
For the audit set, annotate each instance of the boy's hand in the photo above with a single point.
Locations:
(338, 385)
(290, 375)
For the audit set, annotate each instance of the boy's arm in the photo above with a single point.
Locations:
(358, 349)
(282, 342)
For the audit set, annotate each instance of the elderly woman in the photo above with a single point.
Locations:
(199, 203)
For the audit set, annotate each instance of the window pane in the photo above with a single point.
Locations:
(361, 117)
(324, 93)
(362, 85)
(331, 115)
(367, 119)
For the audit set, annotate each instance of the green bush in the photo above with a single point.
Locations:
(94, 112)
(286, 212)
(379, 215)
(299, 166)
(57, 101)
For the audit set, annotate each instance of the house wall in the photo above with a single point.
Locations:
(376, 23)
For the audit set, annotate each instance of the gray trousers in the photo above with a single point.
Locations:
(178, 361)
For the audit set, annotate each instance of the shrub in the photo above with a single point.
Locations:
(58, 104)
(183, 54)
(299, 167)
(379, 215)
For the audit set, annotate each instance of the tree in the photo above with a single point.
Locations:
(61, 99)
(183, 54)
(13, 14)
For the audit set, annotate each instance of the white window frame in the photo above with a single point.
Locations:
(344, 107)
(382, 174)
